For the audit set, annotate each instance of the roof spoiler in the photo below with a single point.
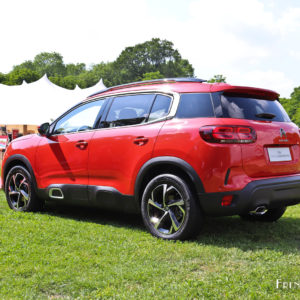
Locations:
(251, 92)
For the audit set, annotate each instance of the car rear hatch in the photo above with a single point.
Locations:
(276, 150)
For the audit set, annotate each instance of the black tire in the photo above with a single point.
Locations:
(169, 209)
(271, 215)
(20, 192)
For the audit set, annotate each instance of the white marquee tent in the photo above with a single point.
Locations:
(40, 101)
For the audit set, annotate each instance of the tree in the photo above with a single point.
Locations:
(27, 64)
(297, 117)
(151, 56)
(87, 79)
(49, 63)
(72, 69)
(217, 78)
(3, 77)
(292, 105)
(295, 103)
(68, 82)
(152, 75)
(152, 59)
(18, 75)
(289, 105)
(107, 72)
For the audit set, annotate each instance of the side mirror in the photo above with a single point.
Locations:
(44, 129)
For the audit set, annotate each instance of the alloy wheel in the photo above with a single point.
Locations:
(19, 191)
(166, 209)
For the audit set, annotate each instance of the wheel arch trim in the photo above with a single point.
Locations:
(25, 161)
(173, 161)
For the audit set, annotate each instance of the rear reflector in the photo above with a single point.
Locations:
(226, 200)
(228, 134)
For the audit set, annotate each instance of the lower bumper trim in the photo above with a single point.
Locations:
(272, 193)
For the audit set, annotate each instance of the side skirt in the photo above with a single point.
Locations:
(96, 196)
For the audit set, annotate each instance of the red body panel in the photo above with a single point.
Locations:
(180, 138)
(256, 162)
(25, 146)
(59, 160)
(116, 155)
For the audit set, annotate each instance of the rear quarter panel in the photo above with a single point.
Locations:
(180, 138)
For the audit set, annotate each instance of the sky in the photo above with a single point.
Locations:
(250, 42)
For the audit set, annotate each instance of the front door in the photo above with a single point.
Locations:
(62, 158)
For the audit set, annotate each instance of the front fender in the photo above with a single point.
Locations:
(14, 160)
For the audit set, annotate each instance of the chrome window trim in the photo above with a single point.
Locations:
(172, 111)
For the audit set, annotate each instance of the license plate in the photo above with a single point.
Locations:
(279, 154)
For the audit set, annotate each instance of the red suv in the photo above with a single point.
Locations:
(174, 149)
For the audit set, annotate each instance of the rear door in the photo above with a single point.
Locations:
(276, 150)
(126, 139)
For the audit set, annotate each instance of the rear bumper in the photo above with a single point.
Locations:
(274, 192)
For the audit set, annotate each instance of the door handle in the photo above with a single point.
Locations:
(81, 144)
(140, 140)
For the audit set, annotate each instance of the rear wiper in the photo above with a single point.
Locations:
(266, 115)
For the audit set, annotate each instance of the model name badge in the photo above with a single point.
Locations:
(279, 154)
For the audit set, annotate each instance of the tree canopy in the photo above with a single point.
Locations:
(18, 75)
(49, 63)
(149, 60)
(151, 57)
(292, 105)
(218, 78)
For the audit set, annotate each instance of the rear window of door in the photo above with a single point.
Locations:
(160, 107)
(129, 110)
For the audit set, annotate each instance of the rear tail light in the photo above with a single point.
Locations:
(228, 134)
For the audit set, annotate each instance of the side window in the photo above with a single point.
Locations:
(129, 110)
(195, 106)
(80, 119)
(160, 107)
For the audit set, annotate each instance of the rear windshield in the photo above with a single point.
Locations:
(252, 109)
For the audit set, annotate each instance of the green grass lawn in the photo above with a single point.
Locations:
(66, 253)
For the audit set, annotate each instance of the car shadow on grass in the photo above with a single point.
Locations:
(225, 232)
(95, 215)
